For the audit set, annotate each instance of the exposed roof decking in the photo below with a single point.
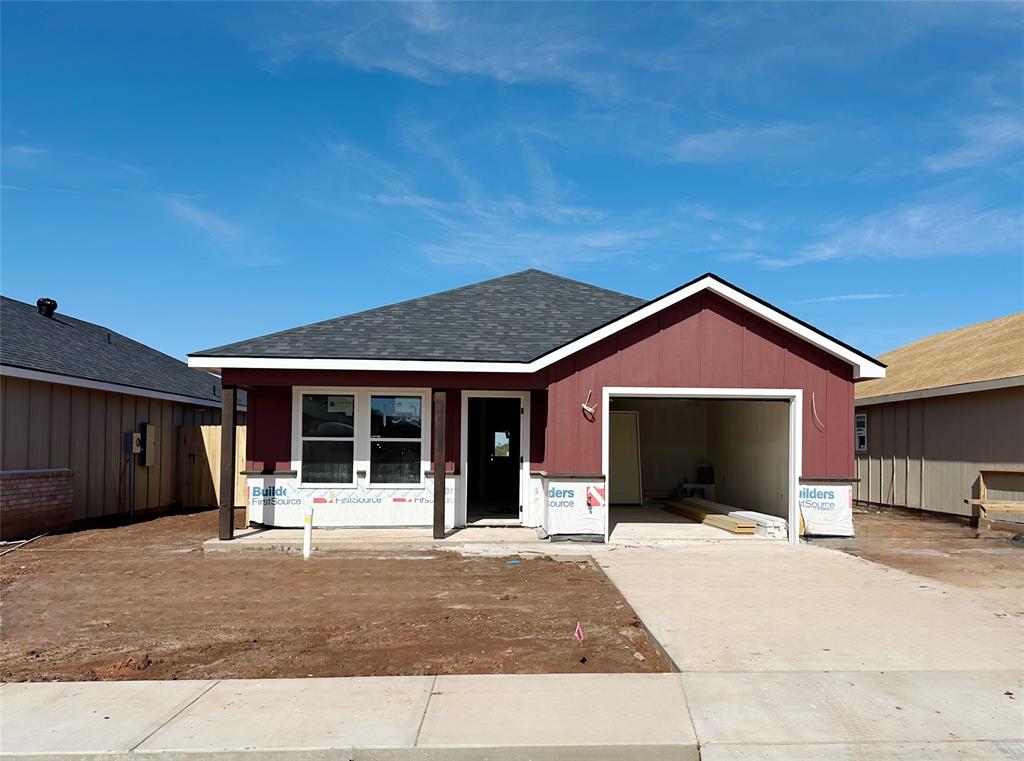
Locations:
(986, 351)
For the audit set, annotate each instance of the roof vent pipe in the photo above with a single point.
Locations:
(46, 307)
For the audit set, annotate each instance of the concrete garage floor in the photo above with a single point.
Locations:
(803, 652)
(639, 525)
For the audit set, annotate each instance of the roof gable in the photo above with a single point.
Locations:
(630, 312)
(76, 349)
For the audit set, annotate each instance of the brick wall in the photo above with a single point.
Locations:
(35, 501)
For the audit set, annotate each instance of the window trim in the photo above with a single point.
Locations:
(857, 448)
(361, 440)
(425, 413)
(298, 438)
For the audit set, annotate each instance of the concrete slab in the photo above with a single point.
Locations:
(640, 526)
(767, 606)
(298, 715)
(856, 707)
(593, 716)
(502, 538)
(953, 751)
(88, 717)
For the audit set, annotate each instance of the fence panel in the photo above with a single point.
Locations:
(199, 465)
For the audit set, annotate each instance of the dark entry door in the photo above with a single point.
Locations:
(493, 457)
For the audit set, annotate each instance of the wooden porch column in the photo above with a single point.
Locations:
(440, 424)
(227, 462)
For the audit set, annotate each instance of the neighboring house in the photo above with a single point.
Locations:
(536, 400)
(71, 393)
(950, 406)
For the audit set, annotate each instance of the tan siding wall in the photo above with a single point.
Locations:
(46, 425)
(926, 453)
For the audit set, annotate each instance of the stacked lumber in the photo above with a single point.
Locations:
(689, 508)
(768, 526)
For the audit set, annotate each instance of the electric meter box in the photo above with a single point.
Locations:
(148, 456)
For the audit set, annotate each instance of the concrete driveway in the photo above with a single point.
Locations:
(804, 652)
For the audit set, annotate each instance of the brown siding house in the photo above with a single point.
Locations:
(950, 407)
(70, 393)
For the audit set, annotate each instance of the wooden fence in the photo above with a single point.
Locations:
(199, 465)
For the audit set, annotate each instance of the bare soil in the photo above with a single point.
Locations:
(940, 547)
(143, 602)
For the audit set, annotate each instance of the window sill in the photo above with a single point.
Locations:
(327, 486)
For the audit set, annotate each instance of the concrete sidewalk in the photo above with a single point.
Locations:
(513, 717)
(490, 540)
(629, 527)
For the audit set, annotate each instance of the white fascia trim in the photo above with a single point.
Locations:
(863, 368)
(927, 393)
(117, 388)
(409, 365)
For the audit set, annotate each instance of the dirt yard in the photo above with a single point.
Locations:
(143, 602)
(940, 547)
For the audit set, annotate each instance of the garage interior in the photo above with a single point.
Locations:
(720, 466)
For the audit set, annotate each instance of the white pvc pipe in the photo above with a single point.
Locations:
(307, 531)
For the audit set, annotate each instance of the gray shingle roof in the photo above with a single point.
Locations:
(68, 346)
(515, 318)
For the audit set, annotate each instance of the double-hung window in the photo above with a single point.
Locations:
(396, 439)
(328, 438)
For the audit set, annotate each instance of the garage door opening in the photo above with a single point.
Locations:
(701, 467)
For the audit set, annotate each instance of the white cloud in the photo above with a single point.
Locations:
(216, 228)
(500, 246)
(986, 138)
(739, 143)
(232, 245)
(915, 232)
(426, 15)
(494, 231)
(24, 151)
(849, 297)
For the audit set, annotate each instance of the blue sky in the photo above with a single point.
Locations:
(196, 173)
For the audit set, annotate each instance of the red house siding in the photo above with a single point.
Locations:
(268, 440)
(703, 342)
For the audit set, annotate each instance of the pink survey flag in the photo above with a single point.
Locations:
(579, 632)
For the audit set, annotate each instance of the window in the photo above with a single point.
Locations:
(396, 438)
(328, 438)
(501, 443)
(860, 432)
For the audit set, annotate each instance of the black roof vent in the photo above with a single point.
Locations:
(46, 307)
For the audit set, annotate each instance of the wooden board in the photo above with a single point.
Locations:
(701, 515)
(625, 480)
(198, 474)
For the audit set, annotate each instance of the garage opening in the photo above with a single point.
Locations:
(699, 467)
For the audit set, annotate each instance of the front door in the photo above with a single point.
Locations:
(494, 460)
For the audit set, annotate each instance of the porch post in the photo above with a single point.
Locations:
(227, 462)
(440, 424)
